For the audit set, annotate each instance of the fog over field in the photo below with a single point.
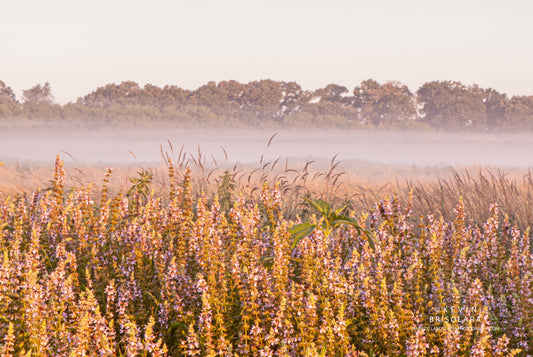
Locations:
(247, 146)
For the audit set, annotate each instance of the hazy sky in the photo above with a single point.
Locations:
(80, 45)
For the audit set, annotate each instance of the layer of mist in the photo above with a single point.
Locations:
(248, 146)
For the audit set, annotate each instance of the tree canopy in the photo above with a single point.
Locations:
(440, 105)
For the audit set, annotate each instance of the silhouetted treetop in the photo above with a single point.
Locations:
(384, 104)
(448, 105)
(38, 94)
(6, 93)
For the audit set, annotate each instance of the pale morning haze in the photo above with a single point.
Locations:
(80, 45)
(266, 178)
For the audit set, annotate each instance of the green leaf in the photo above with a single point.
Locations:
(347, 220)
(267, 262)
(370, 239)
(323, 207)
(339, 211)
(7, 227)
(300, 231)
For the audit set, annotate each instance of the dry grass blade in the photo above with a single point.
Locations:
(68, 154)
(181, 156)
(270, 140)
(275, 162)
(333, 159)
(225, 153)
(170, 145)
(306, 166)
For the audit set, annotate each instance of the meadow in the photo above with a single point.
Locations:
(184, 259)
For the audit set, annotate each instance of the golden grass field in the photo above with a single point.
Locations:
(183, 259)
(436, 190)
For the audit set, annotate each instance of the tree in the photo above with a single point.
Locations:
(517, 113)
(6, 93)
(38, 94)
(125, 93)
(293, 97)
(231, 92)
(452, 105)
(207, 95)
(331, 102)
(8, 102)
(496, 105)
(333, 93)
(262, 99)
(39, 103)
(384, 104)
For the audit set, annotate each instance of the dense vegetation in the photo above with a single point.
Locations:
(189, 274)
(443, 105)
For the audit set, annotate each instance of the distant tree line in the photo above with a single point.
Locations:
(443, 105)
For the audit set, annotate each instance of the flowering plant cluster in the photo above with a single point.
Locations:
(130, 275)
